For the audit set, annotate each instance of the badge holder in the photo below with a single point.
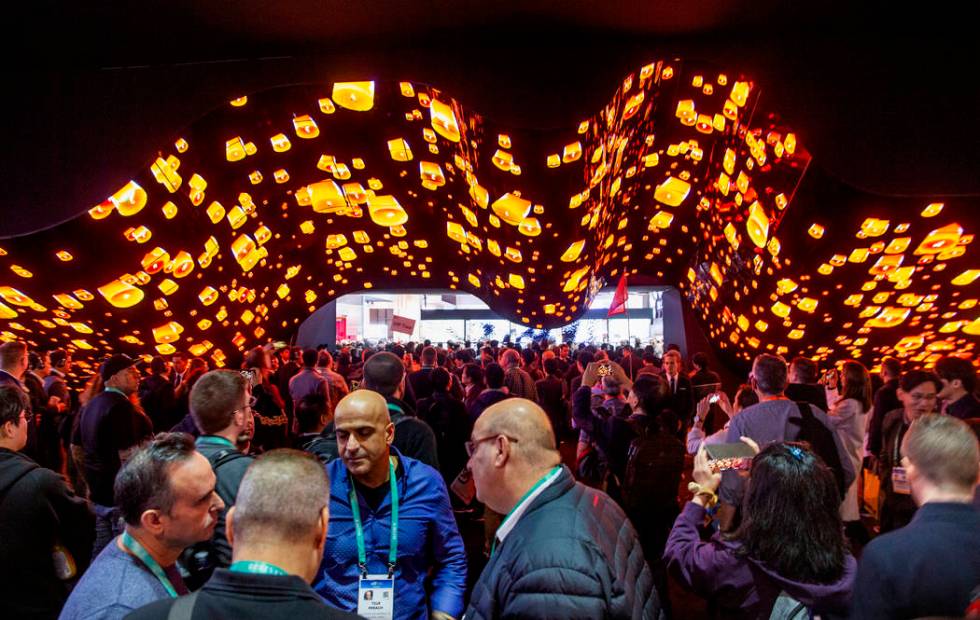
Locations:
(900, 481)
(376, 595)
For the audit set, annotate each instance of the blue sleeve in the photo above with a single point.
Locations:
(874, 597)
(449, 572)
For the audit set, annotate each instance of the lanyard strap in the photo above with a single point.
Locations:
(541, 481)
(359, 528)
(898, 443)
(135, 549)
(256, 567)
(395, 408)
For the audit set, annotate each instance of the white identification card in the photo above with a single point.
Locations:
(376, 597)
(900, 481)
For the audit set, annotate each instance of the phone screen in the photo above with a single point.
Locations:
(729, 456)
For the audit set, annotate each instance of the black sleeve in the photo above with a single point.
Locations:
(75, 522)
(582, 408)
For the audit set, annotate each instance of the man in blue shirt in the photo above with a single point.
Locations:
(376, 491)
(927, 568)
(165, 493)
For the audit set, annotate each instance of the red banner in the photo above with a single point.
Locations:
(618, 305)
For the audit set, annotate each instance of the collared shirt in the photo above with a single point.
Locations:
(3, 379)
(515, 514)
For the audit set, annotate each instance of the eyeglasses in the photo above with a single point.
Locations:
(915, 396)
(28, 416)
(249, 408)
(473, 443)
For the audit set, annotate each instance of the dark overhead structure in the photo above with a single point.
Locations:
(413, 170)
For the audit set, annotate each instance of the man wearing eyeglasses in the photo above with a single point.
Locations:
(39, 516)
(221, 406)
(393, 549)
(564, 550)
(917, 391)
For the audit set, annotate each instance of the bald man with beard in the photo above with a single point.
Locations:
(564, 550)
(371, 483)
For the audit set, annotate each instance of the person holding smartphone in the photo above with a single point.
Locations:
(744, 397)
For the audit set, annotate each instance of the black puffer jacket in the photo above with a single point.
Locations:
(573, 554)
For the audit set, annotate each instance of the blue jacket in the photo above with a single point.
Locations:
(427, 539)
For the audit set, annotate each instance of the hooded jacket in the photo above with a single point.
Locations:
(572, 555)
(37, 511)
(740, 586)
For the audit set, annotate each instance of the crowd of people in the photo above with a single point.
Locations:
(486, 480)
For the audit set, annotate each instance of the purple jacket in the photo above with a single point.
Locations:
(742, 587)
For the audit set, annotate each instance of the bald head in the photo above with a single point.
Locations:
(364, 406)
(524, 421)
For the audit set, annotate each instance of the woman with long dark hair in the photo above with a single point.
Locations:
(847, 417)
(271, 422)
(788, 552)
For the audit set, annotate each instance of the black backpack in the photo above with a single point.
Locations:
(653, 470)
(821, 440)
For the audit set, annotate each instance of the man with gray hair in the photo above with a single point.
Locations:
(777, 418)
(926, 569)
(564, 550)
(277, 530)
(165, 493)
(519, 383)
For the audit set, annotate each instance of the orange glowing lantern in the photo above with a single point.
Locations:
(235, 149)
(573, 252)
(479, 195)
(571, 152)
(165, 172)
(129, 200)
(305, 127)
(119, 293)
(386, 211)
(511, 208)
(326, 197)
(940, 240)
(529, 226)
(889, 317)
(443, 120)
(155, 260)
(399, 150)
(181, 265)
(432, 175)
(757, 225)
(933, 209)
(356, 96)
(208, 295)
(167, 333)
(967, 277)
(672, 191)
(280, 143)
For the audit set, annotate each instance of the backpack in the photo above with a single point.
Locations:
(653, 470)
(821, 440)
(200, 559)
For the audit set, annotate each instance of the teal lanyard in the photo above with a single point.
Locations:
(120, 392)
(135, 549)
(359, 528)
(395, 408)
(543, 480)
(214, 440)
(257, 568)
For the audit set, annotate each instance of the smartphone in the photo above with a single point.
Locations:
(722, 456)
(714, 398)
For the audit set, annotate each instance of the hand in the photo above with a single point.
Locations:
(702, 411)
(725, 404)
(702, 474)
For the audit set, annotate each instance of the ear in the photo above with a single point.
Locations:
(503, 451)
(390, 433)
(324, 521)
(957, 383)
(152, 521)
(230, 526)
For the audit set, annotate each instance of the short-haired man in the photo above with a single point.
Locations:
(166, 496)
(420, 380)
(396, 511)
(336, 381)
(221, 406)
(308, 381)
(704, 380)
(179, 362)
(917, 391)
(277, 530)
(803, 385)
(926, 569)
(157, 397)
(959, 379)
(680, 398)
(495, 391)
(776, 418)
(519, 383)
(564, 550)
(384, 373)
(315, 430)
(885, 400)
(109, 429)
(44, 526)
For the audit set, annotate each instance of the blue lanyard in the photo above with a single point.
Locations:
(137, 550)
(257, 568)
(359, 528)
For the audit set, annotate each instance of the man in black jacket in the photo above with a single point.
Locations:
(384, 373)
(40, 520)
(277, 530)
(564, 550)
(926, 569)
(803, 386)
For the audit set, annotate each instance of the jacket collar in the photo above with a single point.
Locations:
(562, 484)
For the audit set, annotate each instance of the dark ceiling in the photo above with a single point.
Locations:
(885, 98)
